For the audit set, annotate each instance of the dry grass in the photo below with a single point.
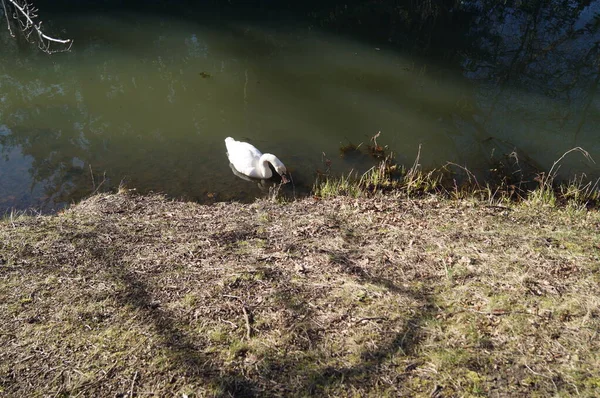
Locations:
(137, 296)
(505, 183)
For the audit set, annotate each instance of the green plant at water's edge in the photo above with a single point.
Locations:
(388, 176)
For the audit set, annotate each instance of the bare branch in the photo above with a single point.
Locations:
(26, 14)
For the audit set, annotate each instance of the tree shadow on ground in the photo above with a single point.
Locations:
(186, 353)
(403, 342)
(306, 363)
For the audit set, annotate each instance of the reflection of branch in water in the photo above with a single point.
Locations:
(539, 50)
(504, 80)
(593, 89)
(246, 87)
(59, 174)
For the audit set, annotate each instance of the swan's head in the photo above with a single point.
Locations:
(280, 169)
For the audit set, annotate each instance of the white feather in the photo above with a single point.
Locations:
(248, 160)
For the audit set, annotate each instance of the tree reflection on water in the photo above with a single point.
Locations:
(531, 72)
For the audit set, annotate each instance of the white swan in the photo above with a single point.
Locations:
(251, 162)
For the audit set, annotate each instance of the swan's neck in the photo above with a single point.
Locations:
(263, 165)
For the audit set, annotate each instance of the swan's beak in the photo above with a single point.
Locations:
(285, 179)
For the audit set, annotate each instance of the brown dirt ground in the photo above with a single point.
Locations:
(139, 295)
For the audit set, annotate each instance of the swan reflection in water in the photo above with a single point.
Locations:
(263, 184)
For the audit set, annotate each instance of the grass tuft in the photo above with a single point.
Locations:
(329, 187)
(459, 183)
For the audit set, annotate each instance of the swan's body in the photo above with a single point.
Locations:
(251, 162)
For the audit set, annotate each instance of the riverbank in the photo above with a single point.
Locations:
(138, 295)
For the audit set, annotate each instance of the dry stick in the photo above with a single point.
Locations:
(24, 359)
(542, 375)
(92, 174)
(416, 163)
(374, 138)
(96, 188)
(101, 183)
(132, 383)
(229, 322)
(410, 174)
(371, 318)
(247, 319)
(246, 316)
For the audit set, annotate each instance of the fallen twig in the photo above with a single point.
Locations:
(246, 315)
(132, 384)
(371, 318)
(543, 375)
(247, 319)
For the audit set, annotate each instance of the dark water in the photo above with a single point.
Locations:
(147, 95)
